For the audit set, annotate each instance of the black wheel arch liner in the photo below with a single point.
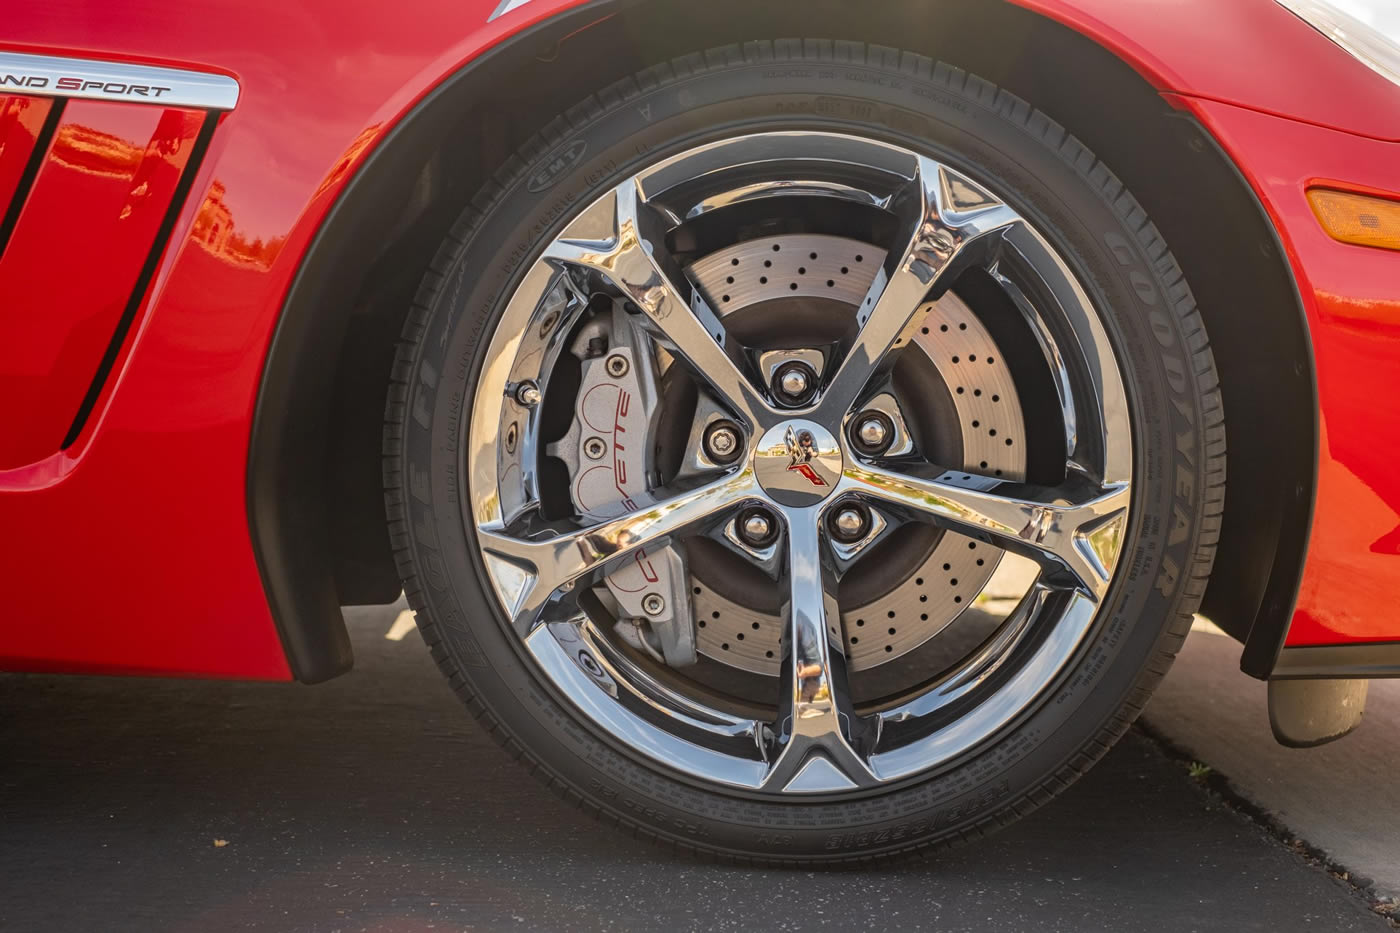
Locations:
(289, 512)
(290, 509)
(1273, 615)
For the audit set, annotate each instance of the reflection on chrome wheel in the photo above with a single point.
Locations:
(609, 288)
(801, 465)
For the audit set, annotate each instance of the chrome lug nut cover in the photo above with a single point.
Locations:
(849, 522)
(757, 527)
(872, 432)
(794, 383)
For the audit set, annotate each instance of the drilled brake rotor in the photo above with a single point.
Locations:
(989, 422)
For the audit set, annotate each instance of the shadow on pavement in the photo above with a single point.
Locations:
(374, 803)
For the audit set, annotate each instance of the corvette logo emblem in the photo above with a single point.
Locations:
(801, 447)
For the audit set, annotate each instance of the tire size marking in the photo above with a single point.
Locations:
(962, 812)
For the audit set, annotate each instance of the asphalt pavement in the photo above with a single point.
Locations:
(1341, 799)
(375, 803)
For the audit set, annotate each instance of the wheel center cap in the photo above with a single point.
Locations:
(798, 462)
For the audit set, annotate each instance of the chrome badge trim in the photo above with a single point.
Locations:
(54, 76)
(505, 7)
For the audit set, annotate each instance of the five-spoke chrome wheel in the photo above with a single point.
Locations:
(753, 361)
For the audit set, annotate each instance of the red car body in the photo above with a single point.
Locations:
(153, 253)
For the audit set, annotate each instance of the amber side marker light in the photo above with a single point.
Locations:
(1357, 218)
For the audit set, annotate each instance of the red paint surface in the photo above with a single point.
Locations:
(1351, 582)
(1252, 53)
(100, 195)
(131, 552)
(21, 118)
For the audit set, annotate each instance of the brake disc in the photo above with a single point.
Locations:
(989, 422)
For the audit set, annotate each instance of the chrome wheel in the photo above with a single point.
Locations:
(749, 472)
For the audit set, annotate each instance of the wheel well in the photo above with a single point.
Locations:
(316, 505)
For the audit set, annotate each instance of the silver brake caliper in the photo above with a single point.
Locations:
(609, 452)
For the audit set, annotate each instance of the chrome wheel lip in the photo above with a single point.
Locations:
(570, 656)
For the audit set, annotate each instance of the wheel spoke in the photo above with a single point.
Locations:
(694, 262)
(949, 224)
(545, 564)
(632, 258)
(1074, 531)
(820, 744)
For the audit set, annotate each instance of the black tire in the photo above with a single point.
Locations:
(915, 102)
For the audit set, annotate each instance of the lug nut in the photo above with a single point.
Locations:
(653, 605)
(594, 448)
(794, 383)
(617, 365)
(527, 393)
(850, 522)
(872, 432)
(757, 527)
(722, 442)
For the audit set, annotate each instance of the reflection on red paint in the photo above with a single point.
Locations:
(349, 159)
(95, 205)
(215, 233)
(21, 119)
(88, 149)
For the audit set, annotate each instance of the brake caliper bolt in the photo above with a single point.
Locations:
(757, 527)
(722, 442)
(653, 605)
(794, 383)
(617, 365)
(872, 432)
(594, 448)
(527, 393)
(849, 523)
